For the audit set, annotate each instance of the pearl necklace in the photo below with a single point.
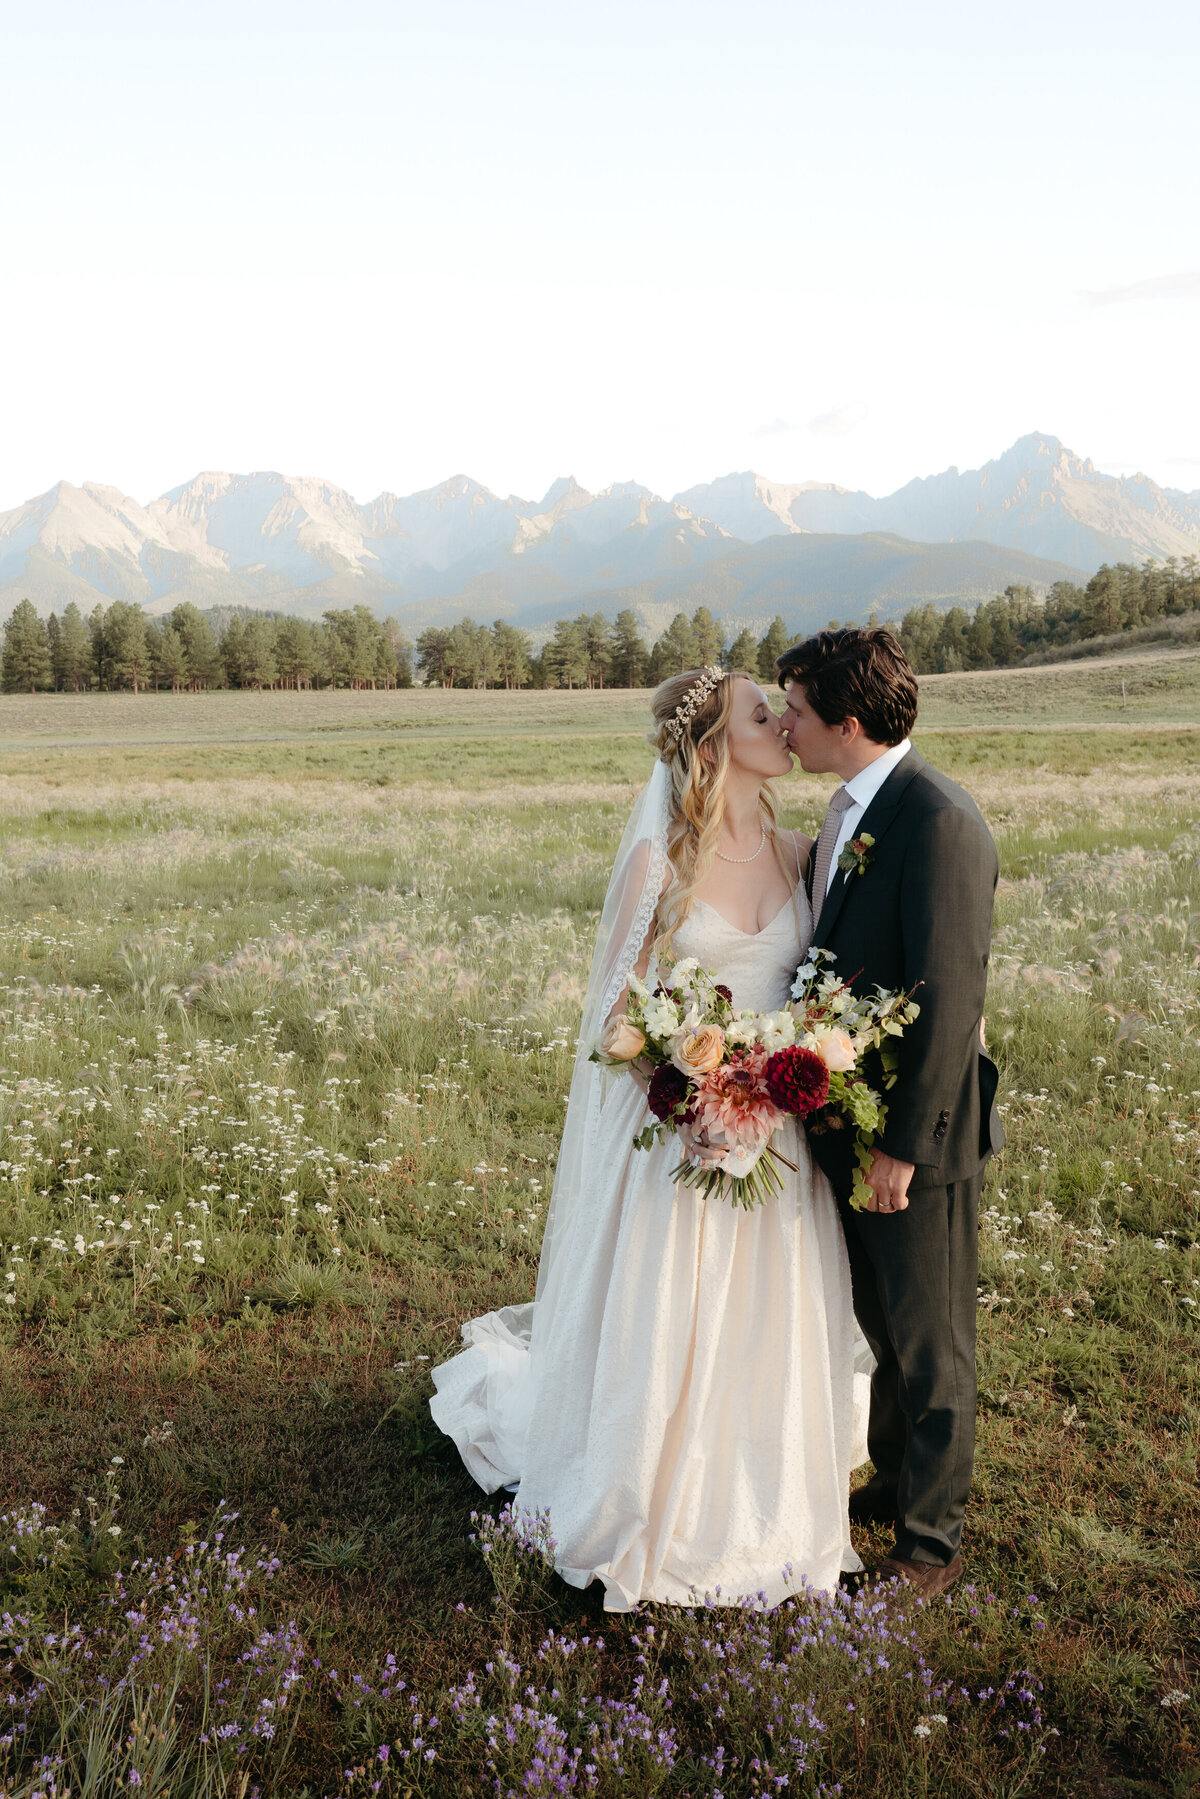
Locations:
(758, 852)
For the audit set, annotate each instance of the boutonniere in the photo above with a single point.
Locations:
(857, 856)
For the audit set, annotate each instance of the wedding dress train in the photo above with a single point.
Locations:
(683, 1398)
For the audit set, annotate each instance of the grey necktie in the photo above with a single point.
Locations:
(839, 805)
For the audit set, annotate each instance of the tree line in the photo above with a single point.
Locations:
(590, 651)
(1017, 626)
(118, 647)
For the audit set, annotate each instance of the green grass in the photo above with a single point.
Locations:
(1154, 688)
(305, 1011)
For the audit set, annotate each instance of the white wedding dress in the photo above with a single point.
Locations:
(685, 1403)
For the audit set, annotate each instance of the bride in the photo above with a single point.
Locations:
(681, 1396)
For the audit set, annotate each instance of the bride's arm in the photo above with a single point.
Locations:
(634, 878)
(804, 849)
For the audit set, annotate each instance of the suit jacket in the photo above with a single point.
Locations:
(920, 915)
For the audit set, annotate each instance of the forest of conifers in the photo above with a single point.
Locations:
(119, 648)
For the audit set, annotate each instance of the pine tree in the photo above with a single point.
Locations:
(676, 650)
(512, 654)
(431, 657)
(358, 634)
(629, 654)
(100, 660)
(743, 652)
(565, 656)
(770, 648)
(74, 651)
(952, 650)
(597, 638)
(258, 654)
(172, 669)
(919, 637)
(710, 639)
(393, 656)
(127, 645)
(54, 645)
(232, 649)
(295, 653)
(25, 661)
(199, 646)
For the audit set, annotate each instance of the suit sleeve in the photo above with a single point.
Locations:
(947, 892)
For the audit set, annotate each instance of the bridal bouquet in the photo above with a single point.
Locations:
(737, 1076)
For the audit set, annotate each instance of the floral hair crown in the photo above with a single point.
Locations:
(705, 683)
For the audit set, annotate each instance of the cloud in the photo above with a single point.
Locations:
(839, 421)
(1182, 286)
(772, 428)
(1183, 461)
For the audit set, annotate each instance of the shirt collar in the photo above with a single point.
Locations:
(867, 782)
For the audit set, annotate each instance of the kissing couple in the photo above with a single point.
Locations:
(687, 1394)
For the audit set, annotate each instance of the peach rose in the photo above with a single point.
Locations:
(836, 1050)
(621, 1041)
(696, 1052)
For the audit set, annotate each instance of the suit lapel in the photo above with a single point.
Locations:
(877, 820)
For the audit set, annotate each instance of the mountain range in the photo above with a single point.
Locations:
(745, 546)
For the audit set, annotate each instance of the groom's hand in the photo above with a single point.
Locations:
(888, 1180)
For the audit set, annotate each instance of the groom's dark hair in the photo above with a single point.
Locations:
(858, 672)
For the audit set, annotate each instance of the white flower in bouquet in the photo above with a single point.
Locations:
(661, 1015)
(692, 1016)
(683, 971)
(776, 1030)
(742, 1031)
(806, 972)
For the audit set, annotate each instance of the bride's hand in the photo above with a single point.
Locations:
(641, 1073)
(700, 1148)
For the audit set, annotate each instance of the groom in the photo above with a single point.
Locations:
(903, 879)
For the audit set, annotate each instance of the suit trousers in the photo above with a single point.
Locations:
(915, 1279)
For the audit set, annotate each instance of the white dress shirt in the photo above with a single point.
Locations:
(862, 790)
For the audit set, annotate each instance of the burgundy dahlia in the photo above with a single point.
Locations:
(725, 992)
(668, 1089)
(797, 1080)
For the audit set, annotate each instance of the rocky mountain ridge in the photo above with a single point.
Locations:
(302, 544)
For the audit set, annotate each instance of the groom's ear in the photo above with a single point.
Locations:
(851, 730)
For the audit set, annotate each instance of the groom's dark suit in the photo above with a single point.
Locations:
(919, 914)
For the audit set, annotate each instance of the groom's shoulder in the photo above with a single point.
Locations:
(931, 791)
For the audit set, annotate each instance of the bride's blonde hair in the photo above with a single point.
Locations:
(698, 761)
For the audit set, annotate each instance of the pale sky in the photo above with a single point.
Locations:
(385, 243)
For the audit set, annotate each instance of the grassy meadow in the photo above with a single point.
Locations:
(288, 992)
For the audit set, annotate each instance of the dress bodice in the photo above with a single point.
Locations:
(757, 966)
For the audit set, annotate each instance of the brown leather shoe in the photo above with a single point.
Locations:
(927, 1579)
